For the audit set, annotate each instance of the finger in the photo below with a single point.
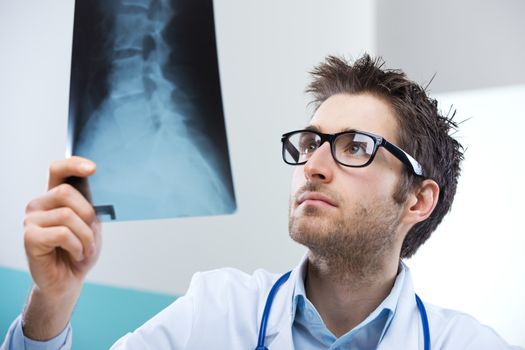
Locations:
(64, 195)
(40, 241)
(60, 170)
(96, 226)
(65, 216)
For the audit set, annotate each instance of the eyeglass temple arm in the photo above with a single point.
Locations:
(404, 157)
(294, 152)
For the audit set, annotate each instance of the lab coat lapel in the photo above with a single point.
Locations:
(405, 330)
(279, 330)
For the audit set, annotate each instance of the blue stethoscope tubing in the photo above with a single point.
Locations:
(284, 278)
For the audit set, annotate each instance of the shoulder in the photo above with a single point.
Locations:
(229, 285)
(451, 329)
(216, 301)
(228, 294)
(231, 278)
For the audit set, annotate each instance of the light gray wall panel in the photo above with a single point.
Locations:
(469, 44)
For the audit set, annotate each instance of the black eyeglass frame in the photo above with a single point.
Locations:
(379, 141)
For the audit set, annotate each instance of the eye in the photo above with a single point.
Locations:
(308, 144)
(356, 148)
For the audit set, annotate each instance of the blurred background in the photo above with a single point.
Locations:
(473, 262)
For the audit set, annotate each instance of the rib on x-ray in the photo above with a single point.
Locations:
(145, 105)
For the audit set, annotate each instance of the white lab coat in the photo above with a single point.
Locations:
(222, 310)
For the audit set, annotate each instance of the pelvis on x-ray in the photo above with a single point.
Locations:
(146, 107)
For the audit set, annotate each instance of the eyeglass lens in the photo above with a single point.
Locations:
(350, 148)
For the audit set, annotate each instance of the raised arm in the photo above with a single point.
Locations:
(62, 242)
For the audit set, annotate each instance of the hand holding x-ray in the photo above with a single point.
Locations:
(62, 241)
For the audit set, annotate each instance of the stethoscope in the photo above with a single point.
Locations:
(284, 278)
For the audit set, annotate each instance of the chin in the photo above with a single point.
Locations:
(307, 223)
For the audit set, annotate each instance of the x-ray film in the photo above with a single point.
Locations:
(145, 105)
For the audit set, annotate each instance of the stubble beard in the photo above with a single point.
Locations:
(355, 244)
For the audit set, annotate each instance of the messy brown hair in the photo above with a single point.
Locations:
(423, 131)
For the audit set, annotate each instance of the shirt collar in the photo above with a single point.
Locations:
(299, 290)
(389, 304)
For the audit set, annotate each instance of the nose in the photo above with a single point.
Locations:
(320, 165)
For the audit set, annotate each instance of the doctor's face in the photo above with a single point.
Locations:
(344, 212)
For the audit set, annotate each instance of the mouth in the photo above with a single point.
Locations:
(315, 198)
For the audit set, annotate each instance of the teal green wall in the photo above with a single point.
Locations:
(103, 314)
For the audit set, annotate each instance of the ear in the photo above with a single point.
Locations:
(421, 202)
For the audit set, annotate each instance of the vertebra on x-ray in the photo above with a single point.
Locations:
(145, 105)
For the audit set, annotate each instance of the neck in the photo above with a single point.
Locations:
(344, 297)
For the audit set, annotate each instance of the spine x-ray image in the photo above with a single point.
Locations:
(145, 105)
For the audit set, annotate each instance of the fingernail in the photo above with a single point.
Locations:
(86, 166)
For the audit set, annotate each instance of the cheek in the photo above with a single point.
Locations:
(382, 187)
(388, 175)
(366, 184)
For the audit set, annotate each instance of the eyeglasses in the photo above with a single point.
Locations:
(349, 148)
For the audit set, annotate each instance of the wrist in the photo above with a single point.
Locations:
(46, 315)
(55, 297)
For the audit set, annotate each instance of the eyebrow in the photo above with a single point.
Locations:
(312, 128)
(318, 129)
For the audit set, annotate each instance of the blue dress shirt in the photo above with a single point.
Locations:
(19, 342)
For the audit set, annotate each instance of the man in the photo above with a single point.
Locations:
(375, 172)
